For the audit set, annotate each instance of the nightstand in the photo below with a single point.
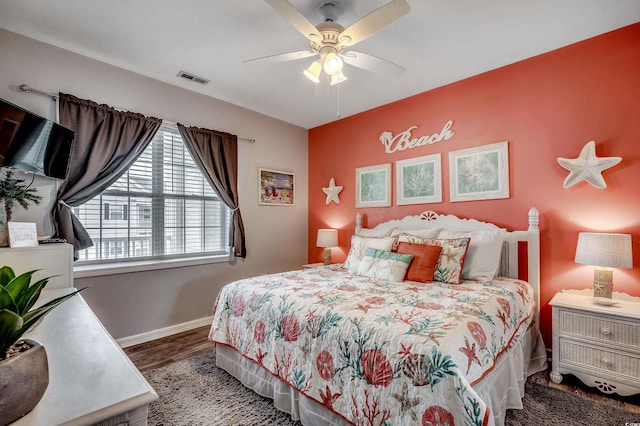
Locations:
(313, 265)
(598, 344)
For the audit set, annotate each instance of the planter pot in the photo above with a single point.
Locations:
(23, 380)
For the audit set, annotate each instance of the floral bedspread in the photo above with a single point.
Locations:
(376, 352)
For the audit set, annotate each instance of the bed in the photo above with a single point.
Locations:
(431, 320)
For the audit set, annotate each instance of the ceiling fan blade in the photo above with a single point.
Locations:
(372, 63)
(282, 57)
(374, 21)
(295, 18)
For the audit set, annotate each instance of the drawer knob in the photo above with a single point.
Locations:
(606, 361)
(605, 331)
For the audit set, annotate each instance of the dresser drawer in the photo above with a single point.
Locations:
(594, 358)
(594, 327)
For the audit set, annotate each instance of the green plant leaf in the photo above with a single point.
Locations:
(6, 300)
(10, 325)
(30, 296)
(6, 275)
(31, 317)
(17, 285)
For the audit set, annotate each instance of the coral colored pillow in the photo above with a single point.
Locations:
(451, 262)
(425, 259)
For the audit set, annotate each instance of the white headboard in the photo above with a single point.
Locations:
(509, 260)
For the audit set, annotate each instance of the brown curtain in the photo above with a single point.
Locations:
(216, 154)
(107, 143)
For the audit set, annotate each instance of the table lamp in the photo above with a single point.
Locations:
(327, 238)
(604, 251)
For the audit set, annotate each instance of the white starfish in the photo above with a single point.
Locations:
(587, 167)
(332, 192)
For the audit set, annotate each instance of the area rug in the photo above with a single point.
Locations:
(196, 392)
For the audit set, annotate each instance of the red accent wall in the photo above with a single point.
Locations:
(548, 106)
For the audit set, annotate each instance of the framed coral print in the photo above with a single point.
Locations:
(373, 186)
(275, 188)
(419, 180)
(479, 173)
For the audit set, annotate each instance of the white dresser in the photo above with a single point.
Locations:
(51, 259)
(598, 344)
(91, 380)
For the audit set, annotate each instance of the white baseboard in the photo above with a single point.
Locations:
(163, 332)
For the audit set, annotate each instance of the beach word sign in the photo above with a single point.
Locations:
(404, 140)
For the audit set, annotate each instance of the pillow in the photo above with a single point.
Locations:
(418, 233)
(384, 265)
(425, 259)
(373, 232)
(359, 245)
(483, 256)
(451, 260)
(421, 233)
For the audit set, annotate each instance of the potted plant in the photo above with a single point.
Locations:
(24, 371)
(12, 191)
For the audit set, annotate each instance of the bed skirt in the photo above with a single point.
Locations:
(501, 389)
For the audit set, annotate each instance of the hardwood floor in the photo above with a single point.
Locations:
(161, 352)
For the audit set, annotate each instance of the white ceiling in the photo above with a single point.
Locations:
(438, 42)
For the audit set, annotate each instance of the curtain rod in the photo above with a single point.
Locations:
(27, 89)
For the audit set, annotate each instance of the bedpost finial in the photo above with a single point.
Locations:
(534, 218)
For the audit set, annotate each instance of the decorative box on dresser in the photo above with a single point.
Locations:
(91, 380)
(599, 344)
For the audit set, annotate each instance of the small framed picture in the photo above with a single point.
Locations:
(479, 173)
(275, 188)
(419, 180)
(22, 234)
(373, 186)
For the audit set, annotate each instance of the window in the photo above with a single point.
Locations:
(162, 207)
(114, 211)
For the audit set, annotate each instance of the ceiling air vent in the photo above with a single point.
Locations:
(192, 77)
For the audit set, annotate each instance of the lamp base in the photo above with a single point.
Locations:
(602, 283)
(327, 256)
(604, 301)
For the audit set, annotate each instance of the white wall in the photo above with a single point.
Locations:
(134, 303)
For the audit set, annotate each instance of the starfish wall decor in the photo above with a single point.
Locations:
(332, 192)
(587, 167)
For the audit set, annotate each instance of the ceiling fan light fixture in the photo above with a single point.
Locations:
(332, 64)
(313, 72)
(338, 78)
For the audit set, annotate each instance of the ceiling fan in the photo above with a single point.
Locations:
(329, 40)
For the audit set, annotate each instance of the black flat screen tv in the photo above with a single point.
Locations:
(33, 144)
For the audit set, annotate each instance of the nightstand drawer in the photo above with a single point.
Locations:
(598, 328)
(597, 358)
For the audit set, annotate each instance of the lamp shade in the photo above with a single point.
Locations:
(327, 238)
(607, 250)
(338, 78)
(332, 64)
(313, 72)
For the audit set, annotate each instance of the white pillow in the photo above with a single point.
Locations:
(415, 233)
(384, 265)
(360, 244)
(421, 233)
(483, 256)
(373, 232)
